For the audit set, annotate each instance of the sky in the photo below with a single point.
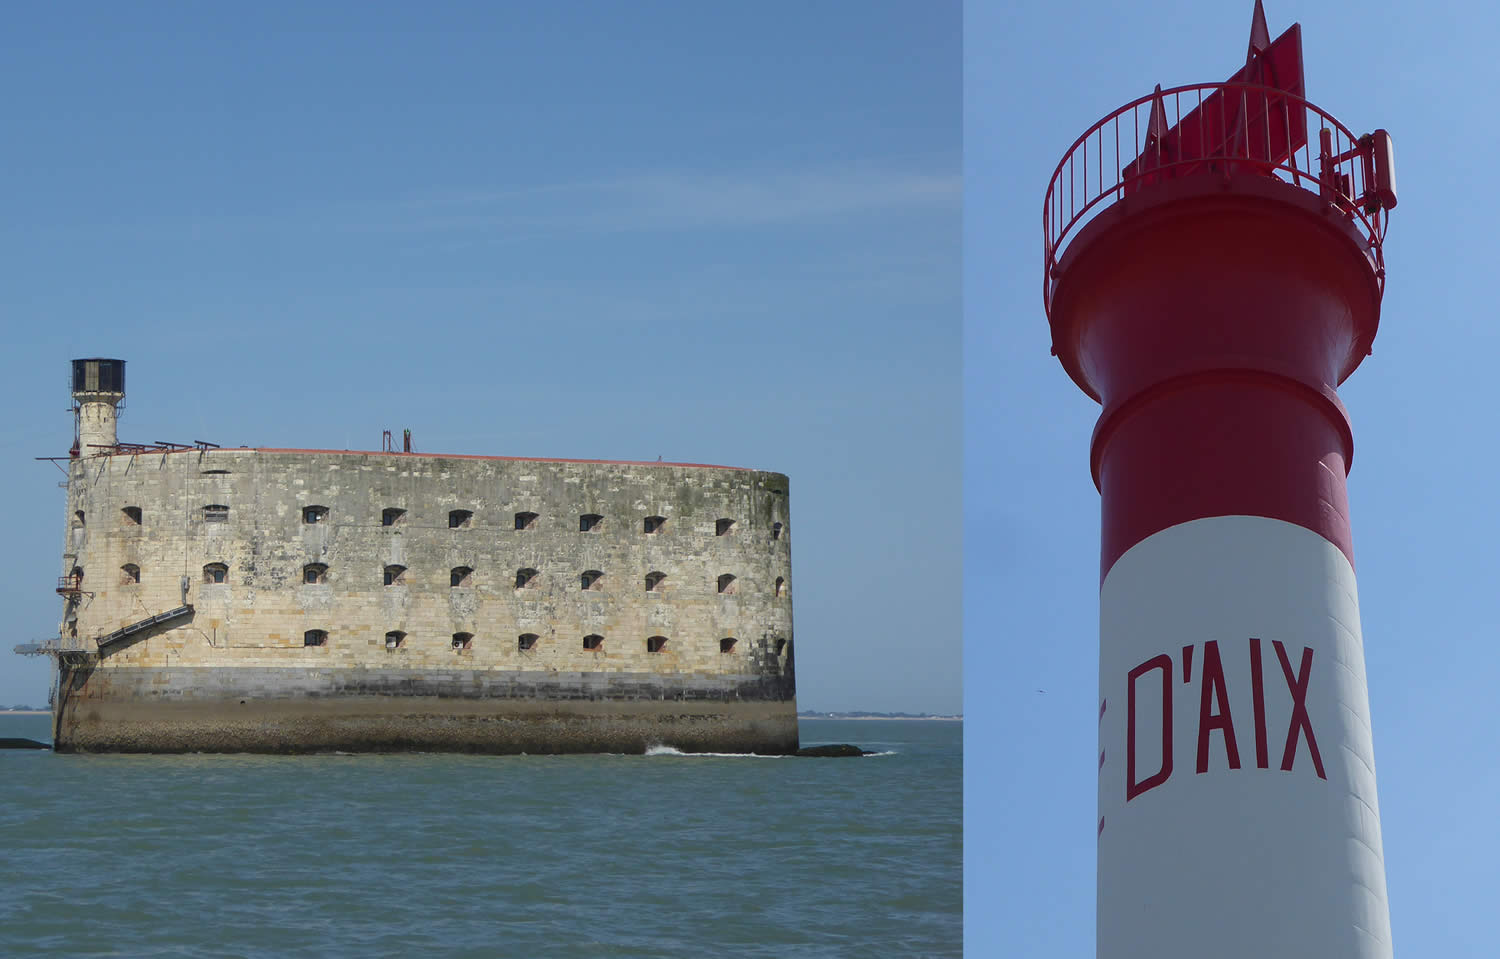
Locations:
(714, 233)
(1421, 489)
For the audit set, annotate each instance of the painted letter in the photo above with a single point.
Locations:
(1132, 787)
(1213, 688)
(1298, 688)
(1258, 697)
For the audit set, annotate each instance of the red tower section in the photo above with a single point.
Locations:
(1214, 271)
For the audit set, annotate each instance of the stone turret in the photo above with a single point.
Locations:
(98, 391)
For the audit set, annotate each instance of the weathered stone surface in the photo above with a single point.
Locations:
(180, 687)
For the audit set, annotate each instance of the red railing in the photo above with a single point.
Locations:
(1222, 129)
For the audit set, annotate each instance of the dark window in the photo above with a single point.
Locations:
(314, 573)
(395, 575)
(526, 641)
(215, 573)
(654, 581)
(216, 514)
(526, 578)
(394, 639)
(656, 644)
(591, 579)
(463, 641)
(726, 583)
(78, 517)
(780, 586)
(132, 515)
(654, 524)
(726, 645)
(780, 645)
(776, 531)
(461, 576)
(589, 522)
(392, 516)
(459, 518)
(723, 526)
(525, 521)
(593, 641)
(315, 637)
(314, 514)
(130, 573)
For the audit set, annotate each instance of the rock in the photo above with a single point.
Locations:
(23, 744)
(836, 749)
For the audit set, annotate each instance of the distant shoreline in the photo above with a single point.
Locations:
(889, 719)
(25, 712)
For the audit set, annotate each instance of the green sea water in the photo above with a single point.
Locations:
(662, 855)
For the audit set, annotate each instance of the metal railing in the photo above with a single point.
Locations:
(1220, 129)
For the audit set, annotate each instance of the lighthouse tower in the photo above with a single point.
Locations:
(1214, 271)
(98, 391)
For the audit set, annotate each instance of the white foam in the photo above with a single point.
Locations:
(674, 751)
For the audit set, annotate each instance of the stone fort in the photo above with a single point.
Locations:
(286, 600)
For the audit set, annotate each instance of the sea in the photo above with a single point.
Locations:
(434, 855)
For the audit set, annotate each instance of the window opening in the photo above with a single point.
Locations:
(780, 586)
(776, 531)
(315, 637)
(216, 513)
(593, 641)
(395, 575)
(591, 579)
(78, 517)
(463, 641)
(526, 641)
(656, 644)
(726, 645)
(392, 516)
(215, 573)
(726, 583)
(314, 573)
(394, 639)
(589, 522)
(129, 573)
(780, 645)
(525, 520)
(461, 576)
(654, 581)
(654, 524)
(526, 578)
(314, 514)
(723, 526)
(132, 515)
(459, 518)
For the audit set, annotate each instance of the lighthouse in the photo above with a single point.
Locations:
(1213, 272)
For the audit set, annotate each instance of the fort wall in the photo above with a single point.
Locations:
(328, 586)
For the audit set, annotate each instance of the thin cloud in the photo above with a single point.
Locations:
(687, 201)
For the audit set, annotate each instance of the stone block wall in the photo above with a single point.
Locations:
(259, 614)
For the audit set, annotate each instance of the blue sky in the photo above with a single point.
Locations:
(1421, 491)
(713, 233)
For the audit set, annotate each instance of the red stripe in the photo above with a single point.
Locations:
(1213, 318)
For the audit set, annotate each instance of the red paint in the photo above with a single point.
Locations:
(1213, 709)
(1258, 699)
(1187, 664)
(1133, 788)
(1297, 686)
(1213, 318)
